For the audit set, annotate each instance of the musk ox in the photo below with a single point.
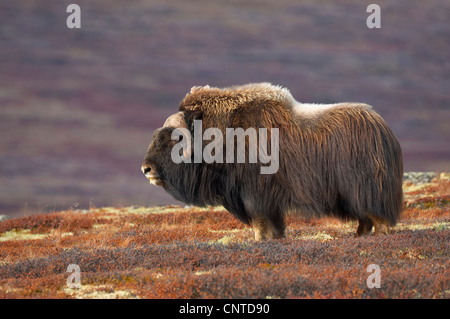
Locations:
(339, 160)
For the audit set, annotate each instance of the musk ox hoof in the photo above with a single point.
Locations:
(266, 229)
(380, 225)
(364, 227)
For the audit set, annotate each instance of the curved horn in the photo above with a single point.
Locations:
(178, 122)
(175, 120)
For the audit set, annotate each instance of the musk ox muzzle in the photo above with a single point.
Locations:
(339, 160)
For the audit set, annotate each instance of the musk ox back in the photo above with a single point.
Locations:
(338, 160)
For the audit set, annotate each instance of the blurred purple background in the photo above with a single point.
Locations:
(78, 106)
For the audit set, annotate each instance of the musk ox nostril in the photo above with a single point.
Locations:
(146, 169)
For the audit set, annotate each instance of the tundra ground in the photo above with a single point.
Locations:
(189, 252)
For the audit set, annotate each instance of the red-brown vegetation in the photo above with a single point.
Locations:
(175, 252)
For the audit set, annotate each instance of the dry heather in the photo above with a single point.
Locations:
(176, 252)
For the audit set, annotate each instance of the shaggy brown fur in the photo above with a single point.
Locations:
(337, 160)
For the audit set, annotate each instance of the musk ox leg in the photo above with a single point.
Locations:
(380, 224)
(364, 227)
(268, 229)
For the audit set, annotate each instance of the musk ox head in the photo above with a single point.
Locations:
(158, 167)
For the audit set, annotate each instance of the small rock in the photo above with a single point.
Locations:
(419, 178)
(3, 217)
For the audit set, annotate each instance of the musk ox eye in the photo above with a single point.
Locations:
(172, 142)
